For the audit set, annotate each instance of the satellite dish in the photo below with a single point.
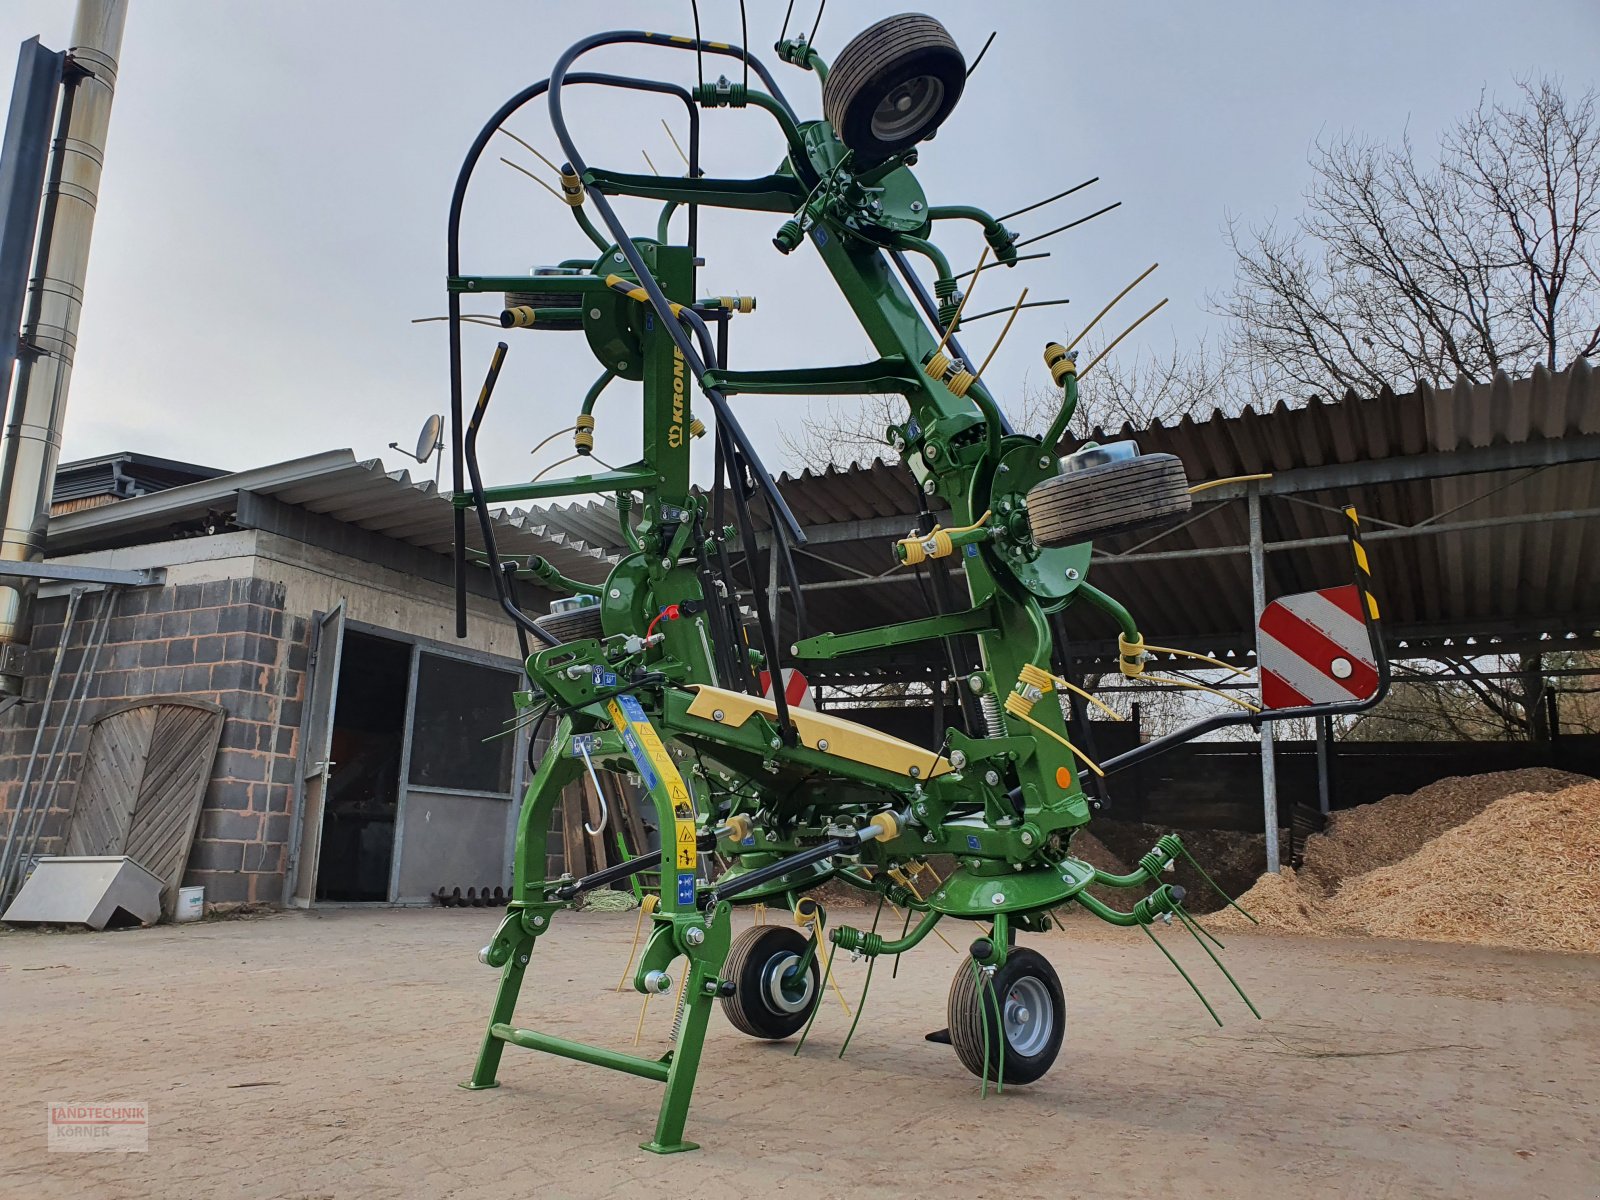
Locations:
(428, 438)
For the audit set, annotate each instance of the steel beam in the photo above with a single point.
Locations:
(72, 573)
(1258, 594)
(1377, 535)
(1545, 452)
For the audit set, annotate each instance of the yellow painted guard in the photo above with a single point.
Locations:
(845, 739)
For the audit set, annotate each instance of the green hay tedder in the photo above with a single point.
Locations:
(656, 672)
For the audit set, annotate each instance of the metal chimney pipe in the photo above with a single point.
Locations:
(32, 443)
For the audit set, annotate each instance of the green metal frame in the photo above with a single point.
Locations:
(1010, 806)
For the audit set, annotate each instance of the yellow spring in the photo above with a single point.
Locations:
(522, 317)
(571, 188)
(1060, 363)
(938, 366)
(697, 427)
(583, 434)
(739, 304)
(960, 382)
(1036, 677)
(1133, 650)
(1019, 705)
(916, 549)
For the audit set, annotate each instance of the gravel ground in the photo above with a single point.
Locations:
(317, 1055)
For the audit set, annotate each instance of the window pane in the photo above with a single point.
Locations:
(458, 705)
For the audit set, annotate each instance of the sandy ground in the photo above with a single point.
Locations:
(317, 1056)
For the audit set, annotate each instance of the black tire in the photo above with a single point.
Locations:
(574, 625)
(547, 300)
(760, 1005)
(893, 86)
(1034, 1022)
(1112, 498)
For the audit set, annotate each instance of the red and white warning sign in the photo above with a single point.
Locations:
(1313, 648)
(795, 688)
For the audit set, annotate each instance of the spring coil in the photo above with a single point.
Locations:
(992, 722)
(677, 1016)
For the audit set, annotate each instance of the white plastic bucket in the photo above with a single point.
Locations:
(191, 904)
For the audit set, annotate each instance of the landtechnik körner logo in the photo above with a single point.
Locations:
(74, 1127)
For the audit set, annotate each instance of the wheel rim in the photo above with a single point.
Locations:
(1029, 1016)
(906, 109)
(783, 994)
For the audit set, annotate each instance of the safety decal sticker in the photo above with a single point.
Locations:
(972, 841)
(649, 755)
(686, 887)
(687, 854)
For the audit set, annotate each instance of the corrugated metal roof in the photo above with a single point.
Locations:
(1541, 575)
(1535, 575)
(1505, 572)
(334, 484)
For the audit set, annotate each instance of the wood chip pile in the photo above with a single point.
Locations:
(1363, 839)
(1519, 869)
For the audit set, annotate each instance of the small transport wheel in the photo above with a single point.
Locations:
(1114, 497)
(893, 86)
(573, 625)
(1031, 1016)
(768, 1001)
(545, 300)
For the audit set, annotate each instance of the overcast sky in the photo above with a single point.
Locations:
(278, 173)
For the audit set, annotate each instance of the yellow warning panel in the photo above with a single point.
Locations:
(687, 855)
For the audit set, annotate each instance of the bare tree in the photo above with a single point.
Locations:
(1403, 268)
(1134, 390)
(851, 429)
(1140, 389)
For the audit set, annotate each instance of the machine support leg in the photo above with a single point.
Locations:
(1269, 766)
(685, 1065)
(505, 1003)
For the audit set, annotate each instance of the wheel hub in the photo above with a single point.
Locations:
(784, 990)
(906, 109)
(1028, 1015)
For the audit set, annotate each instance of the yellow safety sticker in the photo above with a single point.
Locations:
(687, 854)
(645, 744)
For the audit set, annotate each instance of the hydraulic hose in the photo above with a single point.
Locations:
(458, 198)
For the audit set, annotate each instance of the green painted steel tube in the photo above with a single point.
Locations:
(577, 485)
(525, 283)
(665, 220)
(871, 944)
(631, 1064)
(928, 250)
(585, 224)
(1164, 899)
(1106, 912)
(629, 534)
(1111, 607)
(962, 212)
(546, 573)
(593, 394)
(1137, 879)
(791, 131)
(1069, 405)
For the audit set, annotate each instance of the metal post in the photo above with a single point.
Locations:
(1324, 764)
(32, 442)
(774, 597)
(1258, 599)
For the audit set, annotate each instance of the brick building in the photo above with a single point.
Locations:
(311, 601)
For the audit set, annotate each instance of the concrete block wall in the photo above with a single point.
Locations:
(228, 641)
